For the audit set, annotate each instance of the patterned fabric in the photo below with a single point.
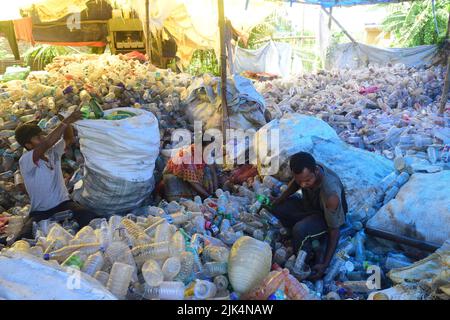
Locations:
(186, 171)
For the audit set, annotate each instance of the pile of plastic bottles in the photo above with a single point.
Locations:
(400, 109)
(180, 250)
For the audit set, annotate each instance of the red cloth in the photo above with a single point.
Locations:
(367, 90)
(76, 44)
(24, 29)
(136, 55)
(186, 171)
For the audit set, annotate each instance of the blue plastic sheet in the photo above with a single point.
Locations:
(333, 3)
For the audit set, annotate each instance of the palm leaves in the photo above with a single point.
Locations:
(412, 23)
(39, 56)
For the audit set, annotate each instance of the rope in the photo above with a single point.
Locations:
(311, 236)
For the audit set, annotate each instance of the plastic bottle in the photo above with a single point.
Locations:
(177, 244)
(187, 266)
(332, 296)
(162, 233)
(157, 250)
(300, 261)
(199, 224)
(168, 290)
(270, 218)
(394, 261)
(204, 289)
(58, 232)
(102, 277)
(213, 269)
(152, 273)
(105, 235)
(119, 252)
(216, 253)
(75, 260)
(171, 268)
(135, 231)
(432, 154)
(85, 235)
(268, 286)
(272, 183)
(390, 194)
(401, 179)
(280, 256)
(151, 230)
(221, 282)
(65, 252)
(359, 246)
(93, 263)
(334, 269)
(318, 287)
(119, 279)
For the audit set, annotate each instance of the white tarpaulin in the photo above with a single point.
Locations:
(421, 209)
(274, 57)
(356, 55)
(26, 277)
(194, 23)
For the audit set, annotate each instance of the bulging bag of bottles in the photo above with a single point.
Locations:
(120, 157)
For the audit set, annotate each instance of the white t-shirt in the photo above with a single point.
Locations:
(45, 186)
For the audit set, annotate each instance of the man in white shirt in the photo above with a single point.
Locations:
(40, 167)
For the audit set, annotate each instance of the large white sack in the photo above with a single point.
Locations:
(360, 171)
(421, 209)
(125, 149)
(25, 277)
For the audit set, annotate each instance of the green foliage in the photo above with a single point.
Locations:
(204, 61)
(39, 56)
(412, 23)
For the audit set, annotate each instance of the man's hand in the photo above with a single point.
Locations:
(3, 223)
(319, 270)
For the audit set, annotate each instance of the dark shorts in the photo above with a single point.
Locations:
(306, 225)
(81, 215)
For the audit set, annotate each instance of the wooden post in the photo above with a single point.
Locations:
(329, 20)
(148, 44)
(223, 67)
(444, 96)
(339, 25)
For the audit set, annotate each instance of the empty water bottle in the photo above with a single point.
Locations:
(221, 282)
(213, 269)
(334, 269)
(102, 277)
(168, 290)
(204, 289)
(119, 279)
(359, 246)
(300, 261)
(401, 179)
(390, 194)
(152, 273)
(93, 263)
(171, 268)
(216, 253)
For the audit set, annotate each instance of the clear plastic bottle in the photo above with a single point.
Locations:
(359, 246)
(270, 218)
(401, 179)
(213, 269)
(151, 230)
(334, 269)
(280, 256)
(177, 244)
(75, 260)
(104, 235)
(58, 232)
(93, 263)
(155, 211)
(204, 289)
(85, 235)
(157, 250)
(63, 253)
(119, 279)
(221, 282)
(187, 266)
(136, 232)
(272, 183)
(300, 261)
(20, 246)
(162, 233)
(318, 287)
(114, 223)
(215, 253)
(168, 290)
(152, 273)
(171, 268)
(199, 224)
(102, 277)
(390, 194)
(119, 252)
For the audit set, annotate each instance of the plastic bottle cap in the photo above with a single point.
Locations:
(46, 256)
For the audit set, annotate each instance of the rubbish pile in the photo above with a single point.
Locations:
(388, 110)
(229, 246)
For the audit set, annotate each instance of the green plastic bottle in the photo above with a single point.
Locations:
(85, 111)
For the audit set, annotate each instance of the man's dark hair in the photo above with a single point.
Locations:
(25, 132)
(302, 160)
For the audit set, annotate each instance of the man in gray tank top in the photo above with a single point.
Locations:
(318, 212)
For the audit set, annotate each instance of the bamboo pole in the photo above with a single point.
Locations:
(338, 24)
(444, 96)
(148, 47)
(223, 67)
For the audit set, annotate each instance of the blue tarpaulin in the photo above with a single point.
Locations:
(333, 3)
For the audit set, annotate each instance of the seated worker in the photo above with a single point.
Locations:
(40, 167)
(186, 180)
(318, 214)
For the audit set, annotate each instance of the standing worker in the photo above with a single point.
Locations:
(40, 167)
(319, 213)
